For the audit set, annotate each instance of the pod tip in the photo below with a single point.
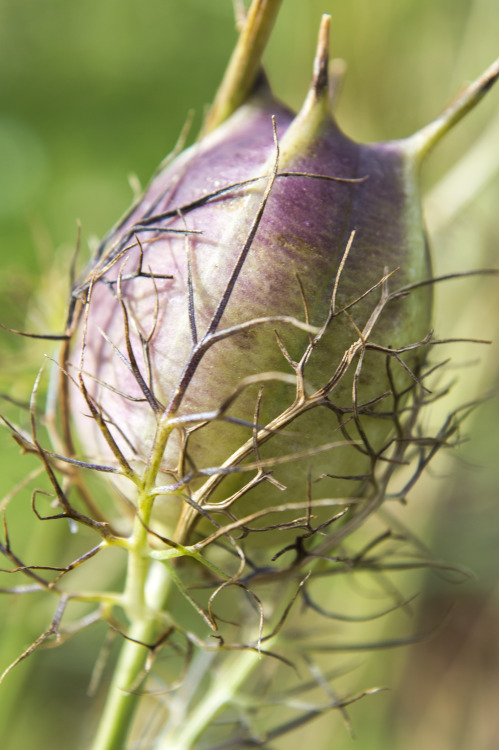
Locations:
(320, 81)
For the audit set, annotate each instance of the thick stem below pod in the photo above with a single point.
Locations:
(153, 585)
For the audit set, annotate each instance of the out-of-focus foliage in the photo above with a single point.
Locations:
(94, 91)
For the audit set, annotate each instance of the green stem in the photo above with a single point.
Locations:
(245, 63)
(123, 695)
(147, 586)
(225, 681)
(229, 678)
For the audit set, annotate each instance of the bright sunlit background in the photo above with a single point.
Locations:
(95, 91)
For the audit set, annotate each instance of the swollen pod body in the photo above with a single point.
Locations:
(288, 236)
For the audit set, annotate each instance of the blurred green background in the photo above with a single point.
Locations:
(96, 90)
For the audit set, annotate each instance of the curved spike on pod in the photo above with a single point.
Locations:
(424, 140)
(316, 110)
(320, 81)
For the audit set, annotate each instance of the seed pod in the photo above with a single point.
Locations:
(250, 302)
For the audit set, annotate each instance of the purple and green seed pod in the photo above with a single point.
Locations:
(262, 266)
